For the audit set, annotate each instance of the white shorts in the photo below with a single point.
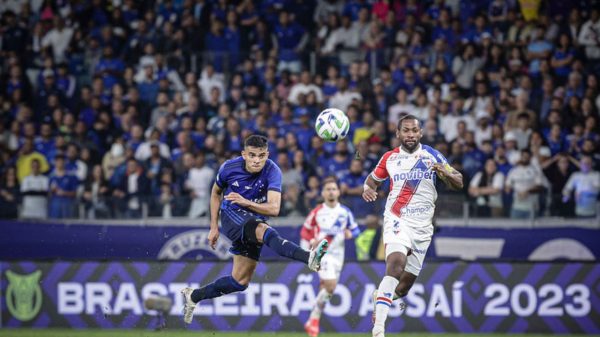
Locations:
(398, 232)
(331, 268)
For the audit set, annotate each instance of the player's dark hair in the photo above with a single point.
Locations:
(256, 141)
(406, 118)
(330, 179)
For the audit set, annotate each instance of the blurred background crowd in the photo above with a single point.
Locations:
(126, 108)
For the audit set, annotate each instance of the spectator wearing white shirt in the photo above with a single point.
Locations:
(401, 107)
(589, 38)
(343, 97)
(344, 42)
(304, 87)
(34, 190)
(58, 38)
(524, 182)
(483, 130)
(143, 151)
(211, 79)
(486, 187)
(586, 185)
(199, 182)
(522, 131)
(512, 153)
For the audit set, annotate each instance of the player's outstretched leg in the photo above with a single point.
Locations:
(395, 263)
(289, 249)
(222, 286)
(312, 325)
(406, 282)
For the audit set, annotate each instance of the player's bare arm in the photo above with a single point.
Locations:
(269, 208)
(370, 189)
(216, 195)
(449, 175)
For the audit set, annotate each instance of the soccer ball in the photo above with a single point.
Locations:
(332, 125)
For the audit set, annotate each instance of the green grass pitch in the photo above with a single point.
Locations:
(170, 333)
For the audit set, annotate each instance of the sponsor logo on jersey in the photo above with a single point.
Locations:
(413, 175)
(427, 161)
(415, 210)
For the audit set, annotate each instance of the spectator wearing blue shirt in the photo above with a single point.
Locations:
(286, 123)
(45, 143)
(65, 82)
(555, 139)
(351, 186)
(14, 37)
(233, 37)
(537, 50)
(291, 39)
(63, 189)
(217, 46)
(304, 131)
(498, 13)
(562, 58)
(353, 7)
(148, 85)
(109, 67)
(338, 164)
(443, 30)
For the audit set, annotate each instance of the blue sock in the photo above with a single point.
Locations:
(284, 247)
(223, 286)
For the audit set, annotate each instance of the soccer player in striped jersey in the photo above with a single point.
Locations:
(408, 217)
(335, 223)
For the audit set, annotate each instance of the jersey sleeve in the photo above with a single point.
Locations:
(310, 228)
(380, 173)
(352, 225)
(221, 179)
(274, 178)
(437, 155)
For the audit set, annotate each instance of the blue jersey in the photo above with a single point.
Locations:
(233, 177)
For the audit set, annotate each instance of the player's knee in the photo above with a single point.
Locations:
(329, 288)
(395, 270)
(395, 265)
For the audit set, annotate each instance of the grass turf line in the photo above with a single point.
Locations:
(179, 333)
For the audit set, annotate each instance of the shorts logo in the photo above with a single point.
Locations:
(235, 183)
(396, 227)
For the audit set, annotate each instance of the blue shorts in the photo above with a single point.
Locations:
(232, 225)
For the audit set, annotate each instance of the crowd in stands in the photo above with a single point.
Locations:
(122, 107)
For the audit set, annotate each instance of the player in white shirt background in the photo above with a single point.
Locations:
(335, 222)
(408, 217)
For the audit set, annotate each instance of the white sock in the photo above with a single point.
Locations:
(322, 298)
(385, 293)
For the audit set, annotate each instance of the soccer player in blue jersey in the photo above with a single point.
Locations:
(251, 185)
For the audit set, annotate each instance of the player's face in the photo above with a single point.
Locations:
(409, 134)
(255, 158)
(331, 192)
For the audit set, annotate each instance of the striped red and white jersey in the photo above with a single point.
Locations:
(412, 183)
(330, 223)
